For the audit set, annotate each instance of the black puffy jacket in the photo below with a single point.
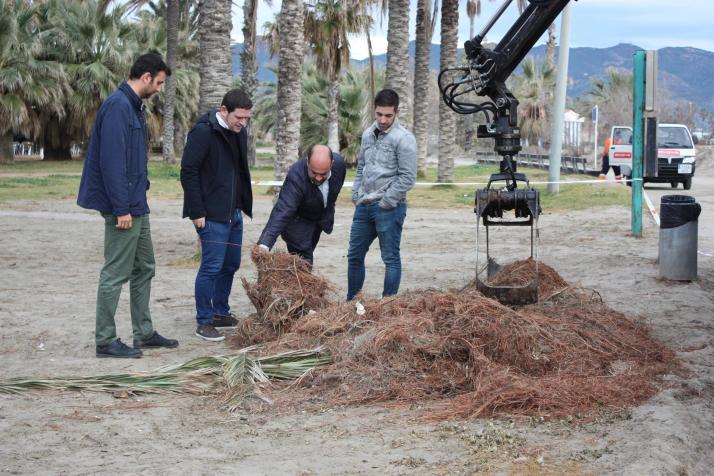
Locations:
(214, 171)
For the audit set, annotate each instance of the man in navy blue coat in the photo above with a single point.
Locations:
(114, 182)
(306, 204)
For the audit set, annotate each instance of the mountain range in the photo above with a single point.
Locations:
(685, 72)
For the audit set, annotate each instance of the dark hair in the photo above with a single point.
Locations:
(236, 99)
(311, 150)
(387, 98)
(149, 63)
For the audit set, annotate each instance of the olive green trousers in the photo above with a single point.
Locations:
(128, 256)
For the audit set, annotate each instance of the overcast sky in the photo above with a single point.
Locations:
(650, 24)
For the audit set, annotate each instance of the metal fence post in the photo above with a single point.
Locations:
(638, 139)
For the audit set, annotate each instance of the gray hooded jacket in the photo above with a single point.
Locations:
(386, 168)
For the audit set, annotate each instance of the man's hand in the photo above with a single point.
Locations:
(200, 222)
(124, 222)
(261, 248)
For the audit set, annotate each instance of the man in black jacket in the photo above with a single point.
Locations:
(306, 205)
(217, 190)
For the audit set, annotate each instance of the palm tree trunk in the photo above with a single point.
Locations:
(550, 64)
(473, 9)
(179, 139)
(6, 155)
(172, 19)
(55, 139)
(372, 89)
(214, 33)
(398, 55)
(447, 119)
(550, 47)
(333, 137)
(287, 140)
(421, 83)
(57, 153)
(249, 67)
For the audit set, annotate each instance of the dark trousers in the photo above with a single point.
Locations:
(606, 166)
(301, 238)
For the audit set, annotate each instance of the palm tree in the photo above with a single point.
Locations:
(96, 47)
(151, 35)
(186, 102)
(327, 24)
(473, 9)
(265, 112)
(289, 85)
(549, 56)
(172, 28)
(468, 123)
(398, 55)
(355, 109)
(613, 95)
(249, 67)
(534, 91)
(214, 27)
(550, 47)
(447, 121)
(27, 83)
(422, 75)
(315, 106)
(370, 52)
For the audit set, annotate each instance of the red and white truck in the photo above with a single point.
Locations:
(676, 155)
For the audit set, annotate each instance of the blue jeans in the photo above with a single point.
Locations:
(220, 259)
(370, 222)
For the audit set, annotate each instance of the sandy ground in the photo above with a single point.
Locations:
(49, 263)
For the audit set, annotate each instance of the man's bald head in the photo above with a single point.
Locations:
(319, 163)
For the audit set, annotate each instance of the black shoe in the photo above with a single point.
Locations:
(208, 332)
(224, 321)
(155, 341)
(118, 350)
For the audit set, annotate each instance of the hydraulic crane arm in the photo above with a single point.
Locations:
(488, 69)
(520, 38)
(480, 86)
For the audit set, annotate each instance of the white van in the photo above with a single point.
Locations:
(676, 155)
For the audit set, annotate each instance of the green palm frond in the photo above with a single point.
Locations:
(534, 89)
(197, 376)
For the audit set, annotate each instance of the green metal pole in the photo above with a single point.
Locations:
(638, 140)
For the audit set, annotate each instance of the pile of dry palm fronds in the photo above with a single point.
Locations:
(286, 290)
(521, 273)
(477, 357)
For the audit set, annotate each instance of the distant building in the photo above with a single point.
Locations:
(573, 128)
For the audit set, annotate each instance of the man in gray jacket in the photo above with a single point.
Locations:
(386, 171)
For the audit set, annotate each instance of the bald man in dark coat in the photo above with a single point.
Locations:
(306, 204)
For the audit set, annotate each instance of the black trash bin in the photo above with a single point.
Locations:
(678, 234)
